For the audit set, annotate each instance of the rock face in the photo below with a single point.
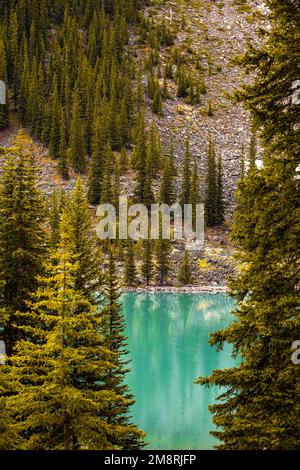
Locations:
(216, 32)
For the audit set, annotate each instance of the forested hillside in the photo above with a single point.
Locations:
(124, 96)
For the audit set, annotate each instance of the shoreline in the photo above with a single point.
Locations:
(177, 290)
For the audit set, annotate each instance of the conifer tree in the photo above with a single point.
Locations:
(117, 412)
(63, 165)
(211, 185)
(123, 160)
(64, 369)
(22, 238)
(195, 197)
(76, 142)
(130, 273)
(147, 267)
(107, 193)
(55, 122)
(77, 233)
(220, 195)
(167, 191)
(154, 150)
(259, 408)
(144, 165)
(185, 271)
(8, 438)
(96, 170)
(186, 180)
(116, 182)
(162, 254)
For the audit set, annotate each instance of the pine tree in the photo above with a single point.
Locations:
(55, 122)
(123, 160)
(76, 143)
(22, 238)
(211, 185)
(162, 254)
(185, 271)
(195, 197)
(117, 412)
(116, 182)
(147, 267)
(107, 193)
(77, 233)
(259, 408)
(63, 165)
(8, 438)
(220, 195)
(130, 273)
(144, 165)
(167, 190)
(186, 180)
(63, 369)
(96, 170)
(154, 150)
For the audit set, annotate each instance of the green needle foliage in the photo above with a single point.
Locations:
(78, 234)
(214, 197)
(186, 180)
(129, 437)
(22, 238)
(62, 403)
(185, 272)
(163, 250)
(130, 273)
(147, 267)
(259, 406)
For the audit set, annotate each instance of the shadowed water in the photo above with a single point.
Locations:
(168, 342)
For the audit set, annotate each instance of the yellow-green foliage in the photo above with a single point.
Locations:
(204, 265)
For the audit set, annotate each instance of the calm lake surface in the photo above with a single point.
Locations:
(168, 342)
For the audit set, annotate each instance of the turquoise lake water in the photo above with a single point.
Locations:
(168, 342)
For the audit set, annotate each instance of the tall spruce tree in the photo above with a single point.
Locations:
(117, 412)
(147, 267)
(195, 196)
(167, 190)
(97, 165)
(63, 165)
(77, 233)
(143, 160)
(186, 180)
(163, 256)
(220, 209)
(62, 403)
(76, 142)
(22, 239)
(185, 276)
(259, 408)
(130, 273)
(211, 192)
